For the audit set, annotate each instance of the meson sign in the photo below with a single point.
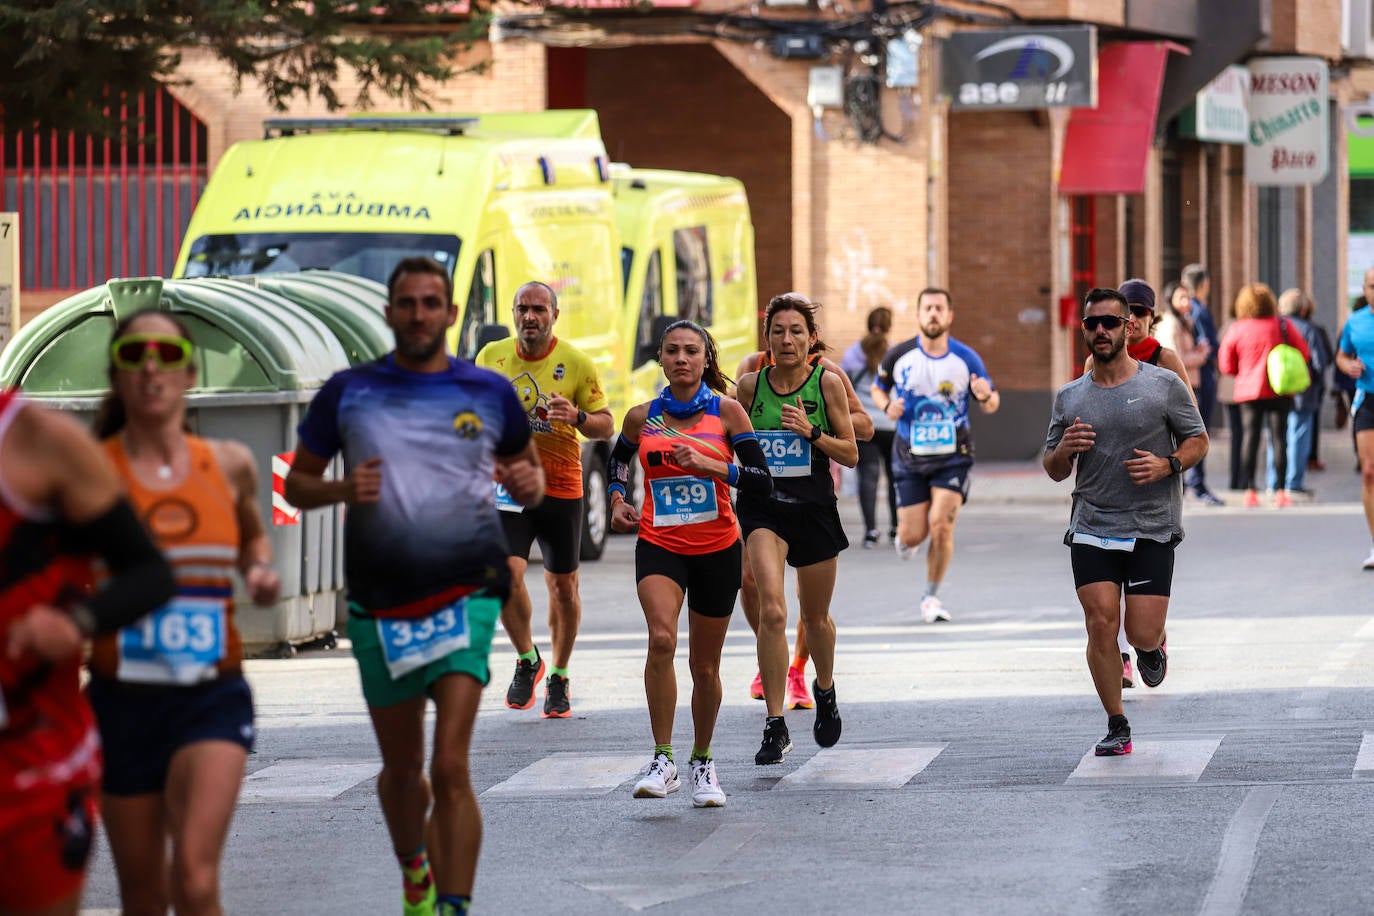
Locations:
(1289, 134)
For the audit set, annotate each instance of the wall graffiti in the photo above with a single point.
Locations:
(862, 282)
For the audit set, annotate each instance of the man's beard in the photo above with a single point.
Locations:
(419, 350)
(1117, 346)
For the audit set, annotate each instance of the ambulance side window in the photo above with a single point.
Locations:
(693, 256)
(650, 307)
(481, 304)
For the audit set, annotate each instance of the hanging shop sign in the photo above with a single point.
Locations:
(1289, 134)
(1221, 112)
(1021, 68)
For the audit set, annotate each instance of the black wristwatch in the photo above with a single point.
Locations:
(581, 417)
(1175, 466)
(815, 434)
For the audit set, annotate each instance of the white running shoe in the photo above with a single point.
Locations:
(904, 552)
(1368, 561)
(658, 778)
(706, 790)
(932, 610)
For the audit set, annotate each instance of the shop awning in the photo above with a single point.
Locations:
(1106, 148)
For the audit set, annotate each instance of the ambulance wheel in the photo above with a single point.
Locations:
(596, 509)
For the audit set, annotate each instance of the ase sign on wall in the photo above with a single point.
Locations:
(1288, 121)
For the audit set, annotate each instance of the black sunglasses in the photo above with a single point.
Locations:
(1140, 311)
(1110, 322)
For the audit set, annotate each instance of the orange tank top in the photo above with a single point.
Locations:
(193, 637)
(685, 513)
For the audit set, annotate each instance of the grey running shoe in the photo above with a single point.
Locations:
(776, 742)
(1118, 740)
(1153, 664)
(556, 703)
(827, 727)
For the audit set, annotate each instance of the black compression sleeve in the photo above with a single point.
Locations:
(140, 579)
(754, 478)
(619, 465)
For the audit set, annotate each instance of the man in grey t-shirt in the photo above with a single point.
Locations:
(1133, 429)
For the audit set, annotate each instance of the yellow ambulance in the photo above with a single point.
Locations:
(498, 199)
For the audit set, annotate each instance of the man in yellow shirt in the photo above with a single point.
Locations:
(562, 395)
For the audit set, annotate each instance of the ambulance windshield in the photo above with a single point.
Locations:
(363, 254)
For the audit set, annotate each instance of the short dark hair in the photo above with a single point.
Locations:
(1104, 294)
(936, 291)
(553, 296)
(419, 264)
(1193, 276)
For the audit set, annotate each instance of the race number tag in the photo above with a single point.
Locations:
(505, 502)
(933, 436)
(1103, 543)
(179, 643)
(787, 454)
(411, 644)
(683, 501)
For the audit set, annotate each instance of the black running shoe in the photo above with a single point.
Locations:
(556, 705)
(827, 727)
(776, 742)
(1153, 665)
(1118, 740)
(520, 693)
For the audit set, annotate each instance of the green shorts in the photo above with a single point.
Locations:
(380, 689)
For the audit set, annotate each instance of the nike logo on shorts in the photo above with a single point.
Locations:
(1141, 582)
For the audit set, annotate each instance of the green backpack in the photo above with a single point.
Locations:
(1288, 371)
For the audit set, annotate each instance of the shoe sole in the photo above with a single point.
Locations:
(650, 793)
(538, 676)
(565, 714)
(798, 703)
(708, 802)
(1113, 751)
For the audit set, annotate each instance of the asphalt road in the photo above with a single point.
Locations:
(964, 782)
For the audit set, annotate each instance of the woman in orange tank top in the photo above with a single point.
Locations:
(689, 545)
(174, 711)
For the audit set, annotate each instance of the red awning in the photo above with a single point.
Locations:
(1106, 148)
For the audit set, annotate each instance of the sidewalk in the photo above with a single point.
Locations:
(1012, 482)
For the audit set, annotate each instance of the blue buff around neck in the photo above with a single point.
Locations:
(681, 410)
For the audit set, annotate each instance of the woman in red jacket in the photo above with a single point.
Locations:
(1244, 353)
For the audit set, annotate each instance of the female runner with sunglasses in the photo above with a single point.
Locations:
(802, 416)
(174, 711)
(689, 544)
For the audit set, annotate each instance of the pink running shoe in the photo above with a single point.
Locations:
(1127, 672)
(797, 695)
(756, 688)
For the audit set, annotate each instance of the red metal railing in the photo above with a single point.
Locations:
(94, 209)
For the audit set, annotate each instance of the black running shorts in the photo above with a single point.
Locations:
(1364, 417)
(1146, 570)
(812, 531)
(557, 525)
(710, 580)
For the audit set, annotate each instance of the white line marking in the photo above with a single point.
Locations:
(99, 913)
(1237, 860)
(1364, 763)
(570, 774)
(879, 768)
(304, 781)
(1309, 712)
(712, 853)
(648, 892)
(1151, 761)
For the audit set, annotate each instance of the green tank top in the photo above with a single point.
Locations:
(793, 481)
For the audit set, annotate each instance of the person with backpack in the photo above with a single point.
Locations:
(1244, 353)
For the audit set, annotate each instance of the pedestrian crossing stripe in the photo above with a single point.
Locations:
(850, 768)
(1364, 762)
(1153, 762)
(305, 781)
(570, 774)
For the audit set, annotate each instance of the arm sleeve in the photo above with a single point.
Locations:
(515, 426)
(754, 478)
(618, 467)
(319, 430)
(140, 579)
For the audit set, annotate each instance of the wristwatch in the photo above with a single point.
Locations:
(1175, 466)
(581, 417)
(815, 434)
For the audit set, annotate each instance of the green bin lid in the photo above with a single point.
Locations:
(247, 340)
(351, 306)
